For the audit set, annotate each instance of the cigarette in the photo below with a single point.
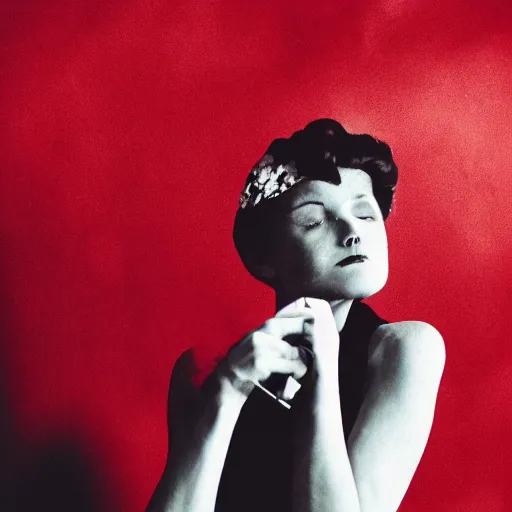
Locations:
(282, 402)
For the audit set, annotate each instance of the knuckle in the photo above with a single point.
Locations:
(290, 351)
(300, 369)
(312, 314)
(248, 339)
(260, 343)
(260, 368)
(256, 339)
(269, 325)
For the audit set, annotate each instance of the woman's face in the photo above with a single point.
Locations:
(319, 225)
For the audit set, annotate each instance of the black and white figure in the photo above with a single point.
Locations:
(349, 435)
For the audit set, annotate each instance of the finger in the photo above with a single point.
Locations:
(281, 327)
(269, 345)
(301, 311)
(308, 315)
(288, 367)
(322, 311)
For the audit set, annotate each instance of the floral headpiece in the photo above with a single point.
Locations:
(266, 180)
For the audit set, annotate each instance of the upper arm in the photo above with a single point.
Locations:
(391, 431)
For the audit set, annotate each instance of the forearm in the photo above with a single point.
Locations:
(323, 477)
(191, 477)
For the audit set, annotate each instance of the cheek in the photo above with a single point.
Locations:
(303, 259)
(309, 258)
(378, 244)
(383, 253)
(290, 255)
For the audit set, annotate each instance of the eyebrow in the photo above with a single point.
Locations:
(354, 198)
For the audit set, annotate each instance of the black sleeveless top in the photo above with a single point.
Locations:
(257, 474)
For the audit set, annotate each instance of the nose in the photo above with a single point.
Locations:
(348, 234)
(351, 240)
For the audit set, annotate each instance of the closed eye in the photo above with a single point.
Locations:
(314, 224)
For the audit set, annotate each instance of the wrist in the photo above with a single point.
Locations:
(326, 386)
(327, 372)
(320, 391)
(326, 390)
(231, 394)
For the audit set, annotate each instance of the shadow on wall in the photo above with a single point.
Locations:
(51, 475)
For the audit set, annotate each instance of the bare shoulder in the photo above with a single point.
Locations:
(410, 342)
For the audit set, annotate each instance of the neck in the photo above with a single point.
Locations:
(340, 308)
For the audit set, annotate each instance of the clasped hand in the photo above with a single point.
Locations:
(257, 356)
(264, 351)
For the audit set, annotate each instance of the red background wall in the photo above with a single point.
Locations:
(127, 130)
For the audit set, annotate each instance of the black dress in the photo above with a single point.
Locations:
(258, 467)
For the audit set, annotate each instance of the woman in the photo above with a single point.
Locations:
(311, 226)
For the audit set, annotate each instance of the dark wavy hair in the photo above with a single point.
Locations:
(316, 152)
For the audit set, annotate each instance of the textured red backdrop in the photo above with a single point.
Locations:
(127, 130)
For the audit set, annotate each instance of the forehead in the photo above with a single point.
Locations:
(353, 182)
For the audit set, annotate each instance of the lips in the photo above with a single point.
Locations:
(358, 258)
